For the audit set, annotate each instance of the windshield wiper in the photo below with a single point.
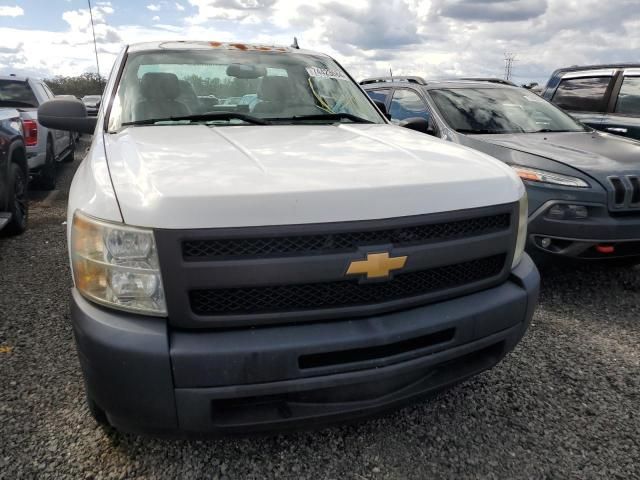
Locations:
(16, 104)
(332, 117)
(551, 130)
(478, 131)
(202, 117)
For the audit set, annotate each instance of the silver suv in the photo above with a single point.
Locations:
(44, 146)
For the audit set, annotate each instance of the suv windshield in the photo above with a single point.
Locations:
(501, 110)
(14, 93)
(224, 86)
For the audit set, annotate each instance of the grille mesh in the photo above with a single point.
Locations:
(291, 298)
(336, 242)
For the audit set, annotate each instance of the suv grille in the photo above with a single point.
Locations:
(339, 242)
(626, 193)
(319, 296)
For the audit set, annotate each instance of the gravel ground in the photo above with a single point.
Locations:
(564, 405)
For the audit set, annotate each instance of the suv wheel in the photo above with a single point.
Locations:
(17, 201)
(72, 150)
(47, 180)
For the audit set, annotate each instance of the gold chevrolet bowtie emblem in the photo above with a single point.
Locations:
(377, 265)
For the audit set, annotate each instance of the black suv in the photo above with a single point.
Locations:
(583, 185)
(605, 97)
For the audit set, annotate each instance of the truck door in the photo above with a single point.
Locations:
(624, 109)
(585, 95)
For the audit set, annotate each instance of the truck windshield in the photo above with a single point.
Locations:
(15, 93)
(501, 110)
(235, 87)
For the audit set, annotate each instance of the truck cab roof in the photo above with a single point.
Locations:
(206, 45)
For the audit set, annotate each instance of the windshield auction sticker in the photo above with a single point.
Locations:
(317, 72)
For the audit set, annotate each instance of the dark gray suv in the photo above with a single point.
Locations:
(583, 185)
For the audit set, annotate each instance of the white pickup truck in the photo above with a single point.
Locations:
(294, 261)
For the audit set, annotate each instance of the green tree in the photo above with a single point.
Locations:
(81, 85)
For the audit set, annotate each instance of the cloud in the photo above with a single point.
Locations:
(154, 7)
(432, 38)
(7, 11)
(247, 11)
(491, 10)
(370, 27)
(156, 18)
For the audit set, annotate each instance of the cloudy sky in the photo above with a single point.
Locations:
(433, 38)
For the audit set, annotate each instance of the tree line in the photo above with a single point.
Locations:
(79, 86)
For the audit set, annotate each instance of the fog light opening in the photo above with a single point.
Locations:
(561, 211)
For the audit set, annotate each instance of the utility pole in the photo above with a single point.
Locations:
(509, 59)
(95, 46)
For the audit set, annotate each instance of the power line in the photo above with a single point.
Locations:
(95, 46)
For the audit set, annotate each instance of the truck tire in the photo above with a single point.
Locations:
(47, 180)
(72, 150)
(18, 205)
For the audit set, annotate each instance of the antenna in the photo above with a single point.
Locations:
(509, 60)
(95, 46)
(295, 43)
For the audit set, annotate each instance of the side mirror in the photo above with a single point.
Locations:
(383, 108)
(418, 124)
(66, 114)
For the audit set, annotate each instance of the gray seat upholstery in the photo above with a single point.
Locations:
(188, 97)
(159, 91)
(274, 94)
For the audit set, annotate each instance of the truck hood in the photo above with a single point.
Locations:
(197, 176)
(596, 154)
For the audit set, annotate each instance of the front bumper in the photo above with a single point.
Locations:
(599, 236)
(152, 379)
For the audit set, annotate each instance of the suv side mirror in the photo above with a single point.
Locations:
(383, 108)
(418, 124)
(66, 114)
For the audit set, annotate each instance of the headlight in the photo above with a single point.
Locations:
(534, 175)
(523, 219)
(116, 265)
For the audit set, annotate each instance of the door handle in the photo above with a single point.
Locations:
(617, 130)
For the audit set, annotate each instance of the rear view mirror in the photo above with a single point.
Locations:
(241, 70)
(66, 114)
(383, 108)
(418, 124)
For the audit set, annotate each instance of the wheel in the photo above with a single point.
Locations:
(17, 201)
(72, 150)
(97, 413)
(47, 179)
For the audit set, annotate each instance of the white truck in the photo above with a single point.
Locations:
(292, 262)
(45, 147)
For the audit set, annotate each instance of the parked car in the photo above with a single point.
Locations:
(605, 97)
(92, 103)
(44, 147)
(13, 174)
(583, 185)
(304, 263)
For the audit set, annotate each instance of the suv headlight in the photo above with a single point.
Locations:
(116, 265)
(523, 219)
(542, 176)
